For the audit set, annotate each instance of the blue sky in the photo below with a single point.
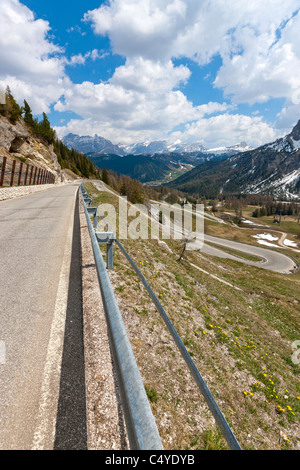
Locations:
(213, 72)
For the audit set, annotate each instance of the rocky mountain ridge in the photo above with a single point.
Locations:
(272, 169)
(99, 145)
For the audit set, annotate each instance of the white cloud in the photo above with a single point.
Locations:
(80, 59)
(38, 96)
(144, 99)
(30, 63)
(141, 96)
(258, 41)
(267, 68)
(162, 29)
(227, 129)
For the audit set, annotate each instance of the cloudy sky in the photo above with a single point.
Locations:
(212, 71)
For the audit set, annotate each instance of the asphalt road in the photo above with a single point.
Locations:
(271, 260)
(40, 322)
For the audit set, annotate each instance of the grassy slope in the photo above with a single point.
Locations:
(240, 340)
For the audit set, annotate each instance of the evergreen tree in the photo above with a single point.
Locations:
(123, 189)
(45, 130)
(14, 111)
(135, 195)
(105, 177)
(28, 118)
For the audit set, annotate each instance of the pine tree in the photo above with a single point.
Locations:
(105, 177)
(123, 189)
(45, 130)
(135, 195)
(13, 109)
(28, 118)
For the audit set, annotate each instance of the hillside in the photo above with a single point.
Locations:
(17, 141)
(272, 169)
(34, 142)
(141, 167)
(157, 168)
(238, 324)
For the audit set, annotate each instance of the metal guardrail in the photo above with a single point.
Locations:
(17, 173)
(140, 423)
(215, 410)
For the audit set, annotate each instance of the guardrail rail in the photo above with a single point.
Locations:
(140, 424)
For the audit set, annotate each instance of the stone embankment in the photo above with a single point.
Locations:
(17, 191)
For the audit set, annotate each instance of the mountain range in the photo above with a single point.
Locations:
(97, 144)
(89, 145)
(273, 169)
(149, 162)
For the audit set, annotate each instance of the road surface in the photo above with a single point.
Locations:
(40, 322)
(271, 260)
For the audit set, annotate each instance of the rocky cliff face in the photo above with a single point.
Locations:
(18, 141)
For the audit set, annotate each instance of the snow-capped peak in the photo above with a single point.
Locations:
(237, 148)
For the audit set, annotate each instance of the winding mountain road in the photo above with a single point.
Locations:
(269, 259)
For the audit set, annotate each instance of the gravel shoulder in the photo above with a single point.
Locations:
(18, 191)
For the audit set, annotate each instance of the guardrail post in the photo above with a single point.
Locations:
(3, 171)
(31, 172)
(109, 255)
(107, 239)
(26, 174)
(13, 173)
(88, 200)
(93, 211)
(20, 173)
(34, 178)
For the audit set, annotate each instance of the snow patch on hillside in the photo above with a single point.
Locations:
(265, 236)
(277, 186)
(290, 243)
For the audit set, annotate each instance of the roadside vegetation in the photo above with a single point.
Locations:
(240, 335)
